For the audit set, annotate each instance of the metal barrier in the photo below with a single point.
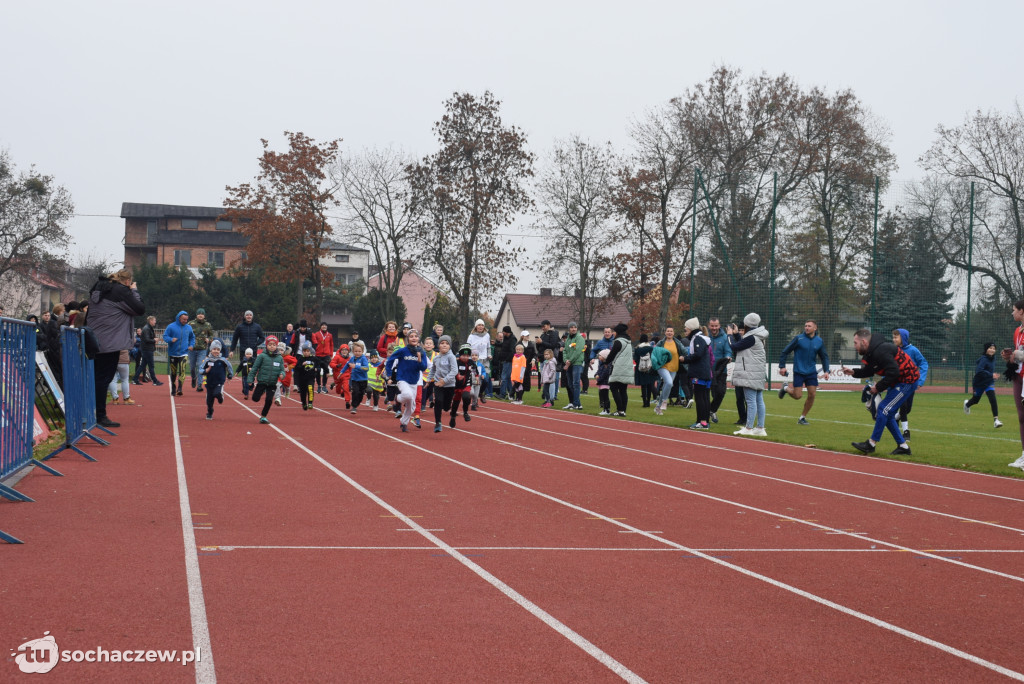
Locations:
(79, 393)
(17, 403)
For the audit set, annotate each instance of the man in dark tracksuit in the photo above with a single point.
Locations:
(899, 374)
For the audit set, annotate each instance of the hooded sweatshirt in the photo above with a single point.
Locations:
(408, 367)
(112, 308)
(186, 337)
(889, 361)
(446, 367)
(915, 355)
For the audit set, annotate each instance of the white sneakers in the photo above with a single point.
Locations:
(751, 432)
(1019, 463)
(997, 423)
(967, 409)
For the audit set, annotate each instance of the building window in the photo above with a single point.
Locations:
(183, 257)
(189, 224)
(341, 258)
(242, 256)
(353, 278)
(151, 228)
(151, 258)
(224, 225)
(215, 258)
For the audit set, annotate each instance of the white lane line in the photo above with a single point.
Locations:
(945, 648)
(675, 440)
(196, 604)
(551, 621)
(747, 473)
(810, 523)
(610, 549)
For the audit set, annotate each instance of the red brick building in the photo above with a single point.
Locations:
(180, 236)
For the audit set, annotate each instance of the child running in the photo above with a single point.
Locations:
(480, 378)
(375, 379)
(443, 372)
(409, 363)
(244, 366)
(984, 383)
(427, 397)
(467, 376)
(265, 374)
(215, 372)
(284, 387)
(548, 374)
(357, 367)
(339, 365)
(307, 372)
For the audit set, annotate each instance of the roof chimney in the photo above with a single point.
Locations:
(545, 292)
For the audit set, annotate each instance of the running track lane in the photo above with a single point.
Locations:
(813, 639)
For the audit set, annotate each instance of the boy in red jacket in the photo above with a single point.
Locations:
(341, 379)
(285, 384)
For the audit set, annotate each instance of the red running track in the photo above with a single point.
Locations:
(526, 545)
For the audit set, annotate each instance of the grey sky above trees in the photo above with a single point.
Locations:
(133, 102)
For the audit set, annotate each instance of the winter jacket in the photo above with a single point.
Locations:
(548, 371)
(886, 359)
(621, 359)
(505, 349)
(445, 368)
(518, 367)
(659, 357)
(680, 352)
(182, 334)
(112, 311)
(573, 350)
(601, 344)
(148, 338)
(698, 357)
(408, 365)
(203, 333)
(805, 349)
(548, 340)
(247, 336)
(751, 359)
(642, 350)
(915, 355)
(323, 344)
(216, 370)
(244, 366)
(385, 341)
(268, 369)
(306, 370)
(984, 373)
(720, 346)
(466, 370)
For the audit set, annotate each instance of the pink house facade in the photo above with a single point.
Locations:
(416, 291)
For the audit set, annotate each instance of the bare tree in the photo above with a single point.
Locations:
(660, 181)
(574, 198)
(470, 187)
(34, 213)
(987, 149)
(378, 213)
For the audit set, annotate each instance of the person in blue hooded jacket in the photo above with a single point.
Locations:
(901, 338)
(985, 382)
(180, 339)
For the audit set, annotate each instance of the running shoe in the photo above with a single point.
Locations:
(996, 423)
(714, 417)
(405, 428)
(465, 416)
(901, 450)
(437, 427)
(782, 390)
(547, 404)
(416, 422)
(758, 432)
(699, 426)
(264, 421)
(451, 422)
(744, 431)
(967, 409)
(803, 421)
(865, 447)
(602, 413)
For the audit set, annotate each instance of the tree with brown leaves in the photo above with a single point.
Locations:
(284, 214)
(468, 189)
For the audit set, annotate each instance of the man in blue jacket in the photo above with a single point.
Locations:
(805, 347)
(722, 353)
(180, 339)
(901, 338)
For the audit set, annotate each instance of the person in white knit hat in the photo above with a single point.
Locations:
(750, 370)
(698, 371)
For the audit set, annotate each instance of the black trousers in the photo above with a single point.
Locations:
(647, 393)
(358, 389)
(619, 395)
(741, 405)
(703, 397)
(268, 401)
(323, 364)
(213, 393)
(145, 365)
(991, 394)
(718, 388)
(105, 367)
(442, 401)
(306, 391)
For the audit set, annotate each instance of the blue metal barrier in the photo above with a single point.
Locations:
(79, 393)
(17, 405)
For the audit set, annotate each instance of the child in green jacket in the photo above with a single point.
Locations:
(265, 374)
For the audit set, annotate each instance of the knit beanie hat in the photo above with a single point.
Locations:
(751, 320)
(248, 350)
(271, 338)
(444, 338)
(692, 324)
(984, 347)
(507, 329)
(479, 321)
(216, 344)
(620, 329)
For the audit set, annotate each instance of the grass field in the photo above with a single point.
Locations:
(940, 432)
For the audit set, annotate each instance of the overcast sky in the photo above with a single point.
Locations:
(133, 102)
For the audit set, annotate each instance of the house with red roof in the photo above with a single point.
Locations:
(526, 311)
